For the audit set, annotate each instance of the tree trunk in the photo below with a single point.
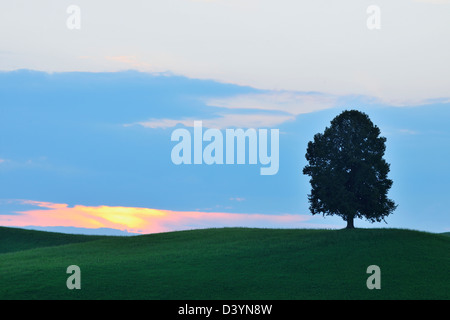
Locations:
(350, 224)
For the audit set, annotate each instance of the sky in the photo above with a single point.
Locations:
(87, 114)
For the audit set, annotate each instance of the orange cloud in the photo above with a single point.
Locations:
(143, 220)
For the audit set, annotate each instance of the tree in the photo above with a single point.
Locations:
(347, 170)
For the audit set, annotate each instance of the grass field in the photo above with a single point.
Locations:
(228, 263)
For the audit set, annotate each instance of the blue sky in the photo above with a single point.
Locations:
(79, 139)
(87, 112)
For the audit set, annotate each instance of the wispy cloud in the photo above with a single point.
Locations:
(409, 102)
(293, 103)
(144, 220)
(261, 110)
(223, 121)
(162, 123)
(408, 131)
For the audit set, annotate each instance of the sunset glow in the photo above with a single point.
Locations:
(140, 220)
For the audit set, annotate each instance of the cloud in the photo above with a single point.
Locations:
(293, 103)
(162, 123)
(408, 131)
(237, 199)
(130, 61)
(434, 1)
(292, 45)
(143, 220)
(266, 110)
(221, 122)
(409, 102)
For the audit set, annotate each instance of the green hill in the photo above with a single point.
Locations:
(14, 239)
(228, 263)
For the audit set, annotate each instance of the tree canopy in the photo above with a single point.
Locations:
(348, 172)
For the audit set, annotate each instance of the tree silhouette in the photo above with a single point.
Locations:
(347, 170)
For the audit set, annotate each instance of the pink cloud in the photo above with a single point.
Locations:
(144, 220)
